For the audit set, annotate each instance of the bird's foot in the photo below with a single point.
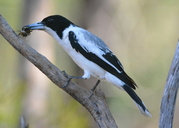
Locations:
(70, 78)
(92, 92)
(66, 74)
(93, 89)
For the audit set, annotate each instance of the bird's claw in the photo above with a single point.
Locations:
(92, 93)
(65, 74)
(93, 89)
(69, 79)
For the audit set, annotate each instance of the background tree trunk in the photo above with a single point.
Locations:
(167, 108)
(35, 100)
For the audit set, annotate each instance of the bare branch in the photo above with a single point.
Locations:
(96, 105)
(170, 93)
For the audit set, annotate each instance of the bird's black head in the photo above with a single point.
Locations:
(55, 22)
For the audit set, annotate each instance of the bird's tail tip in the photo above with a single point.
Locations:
(144, 112)
(138, 101)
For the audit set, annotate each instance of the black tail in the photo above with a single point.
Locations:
(137, 100)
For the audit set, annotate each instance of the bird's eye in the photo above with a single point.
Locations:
(49, 21)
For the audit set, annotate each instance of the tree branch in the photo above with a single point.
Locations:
(96, 105)
(170, 93)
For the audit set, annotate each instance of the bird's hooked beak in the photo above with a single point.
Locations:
(34, 26)
(26, 30)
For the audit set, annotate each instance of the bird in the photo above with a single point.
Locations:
(90, 53)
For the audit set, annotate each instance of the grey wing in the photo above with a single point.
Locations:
(109, 62)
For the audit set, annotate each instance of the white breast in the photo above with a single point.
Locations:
(89, 67)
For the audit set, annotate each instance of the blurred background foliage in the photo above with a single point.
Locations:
(142, 34)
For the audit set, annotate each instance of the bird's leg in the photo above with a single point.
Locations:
(93, 89)
(69, 78)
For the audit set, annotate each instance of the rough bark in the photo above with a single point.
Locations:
(96, 105)
(170, 93)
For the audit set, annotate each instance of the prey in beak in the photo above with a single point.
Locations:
(26, 30)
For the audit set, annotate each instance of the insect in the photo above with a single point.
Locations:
(25, 32)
